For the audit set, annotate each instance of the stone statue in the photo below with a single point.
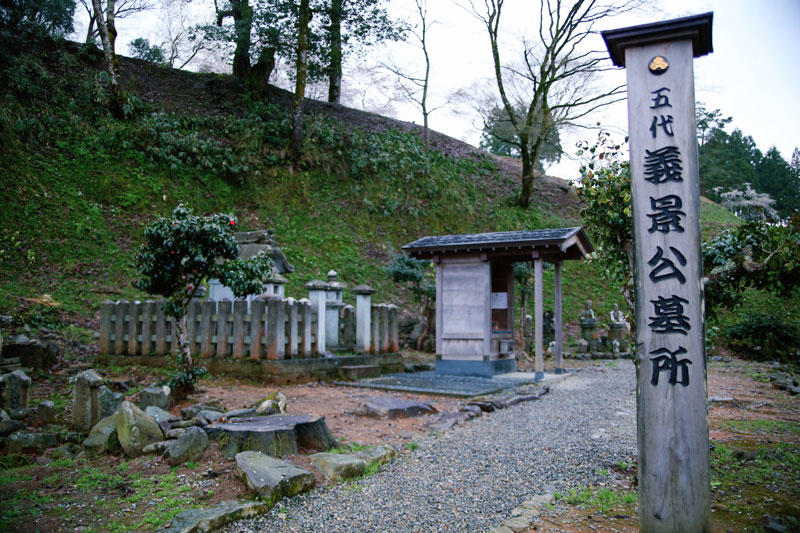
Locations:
(616, 315)
(590, 330)
(588, 312)
(618, 329)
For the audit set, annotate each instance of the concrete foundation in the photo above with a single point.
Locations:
(487, 368)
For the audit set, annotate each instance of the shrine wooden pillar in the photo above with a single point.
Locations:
(538, 316)
(557, 319)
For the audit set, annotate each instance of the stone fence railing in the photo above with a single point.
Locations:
(266, 329)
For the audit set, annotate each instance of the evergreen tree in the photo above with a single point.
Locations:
(52, 16)
(777, 178)
(499, 138)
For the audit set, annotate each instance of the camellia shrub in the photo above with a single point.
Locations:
(179, 254)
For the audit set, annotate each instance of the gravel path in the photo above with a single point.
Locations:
(470, 477)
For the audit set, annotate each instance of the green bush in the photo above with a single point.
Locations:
(764, 336)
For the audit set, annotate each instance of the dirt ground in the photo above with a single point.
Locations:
(754, 415)
(113, 493)
(335, 403)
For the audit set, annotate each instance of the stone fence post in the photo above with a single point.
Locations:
(276, 328)
(363, 317)
(305, 333)
(317, 290)
(292, 332)
(384, 319)
(394, 333)
(104, 343)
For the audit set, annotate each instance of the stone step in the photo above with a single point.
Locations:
(354, 372)
(270, 478)
(276, 435)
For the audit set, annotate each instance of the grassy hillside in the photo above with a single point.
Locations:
(78, 186)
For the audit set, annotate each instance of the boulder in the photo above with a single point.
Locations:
(30, 442)
(103, 436)
(175, 433)
(276, 435)
(447, 420)
(136, 430)
(339, 466)
(109, 401)
(158, 395)
(209, 415)
(270, 478)
(387, 407)
(67, 451)
(188, 447)
(274, 404)
(194, 410)
(9, 426)
(157, 448)
(160, 415)
(241, 413)
(472, 410)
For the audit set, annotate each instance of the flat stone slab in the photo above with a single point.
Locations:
(196, 520)
(276, 435)
(381, 454)
(360, 371)
(339, 466)
(387, 407)
(434, 383)
(270, 478)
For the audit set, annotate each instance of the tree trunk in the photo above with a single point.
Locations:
(300, 84)
(423, 11)
(242, 22)
(258, 76)
(526, 191)
(530, 156)
(112, 67)
(90, 31)
(335, 46)
(183, 343)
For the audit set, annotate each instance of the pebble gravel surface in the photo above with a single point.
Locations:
(470, 477)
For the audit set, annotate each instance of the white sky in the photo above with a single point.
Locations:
(752, 75)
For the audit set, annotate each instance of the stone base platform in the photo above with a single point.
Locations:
(353, 372)
(453, 385)
(278, 371)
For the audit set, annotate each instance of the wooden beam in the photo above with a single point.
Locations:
(568, 242)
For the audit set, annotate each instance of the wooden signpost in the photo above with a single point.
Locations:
(672, 422)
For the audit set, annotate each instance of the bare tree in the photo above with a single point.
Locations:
(416, 87)
(179, 45)
(558, 70)
(108, 36)
(122, 9)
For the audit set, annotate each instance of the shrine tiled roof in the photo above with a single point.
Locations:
(503, 241)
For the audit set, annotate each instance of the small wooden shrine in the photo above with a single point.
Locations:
(475, 294)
